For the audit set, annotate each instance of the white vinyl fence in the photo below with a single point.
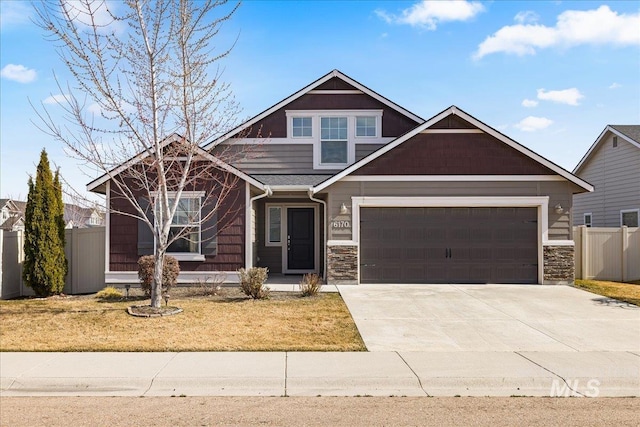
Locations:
(607, 253)
(85, 256)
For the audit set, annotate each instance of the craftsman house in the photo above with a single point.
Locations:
(343, 182)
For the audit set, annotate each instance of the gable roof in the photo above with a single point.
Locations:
(332, 74)
(453, 110)
(97, 183)
(630, 133)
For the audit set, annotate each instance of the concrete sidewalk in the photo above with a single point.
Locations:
(526, 373)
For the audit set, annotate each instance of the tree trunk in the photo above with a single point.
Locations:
(156, 286)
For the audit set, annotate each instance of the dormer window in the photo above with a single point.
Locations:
(334, 144)
(301, 127)
(366, 127)
(334, 133)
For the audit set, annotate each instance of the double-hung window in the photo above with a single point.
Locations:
(334, 144)
(186, 225)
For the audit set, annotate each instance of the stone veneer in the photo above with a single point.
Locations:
(559, 265)
(342, 265)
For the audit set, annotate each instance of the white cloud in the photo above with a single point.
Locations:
(95, 109)
(14, 13)
(429, 14)
(526, 17)
(102, 13)
(566, 96)
(529, 103)
(600, 26)
(532, 124)
(18, 73)
(56, 99)
(615, 85)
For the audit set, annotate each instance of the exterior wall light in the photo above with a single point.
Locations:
(343, 209)
(559, 209)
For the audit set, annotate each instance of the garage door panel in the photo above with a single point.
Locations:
(449, 245)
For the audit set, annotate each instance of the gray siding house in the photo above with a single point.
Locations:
(612, 166)
(340, 181)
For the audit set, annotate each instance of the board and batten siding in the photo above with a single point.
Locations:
(615, 174)
(559, 192)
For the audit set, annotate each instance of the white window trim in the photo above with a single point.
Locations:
(584, 219)
(624, 211)
(352, 140)
(539, 202)
(267, 220)
(187, 256)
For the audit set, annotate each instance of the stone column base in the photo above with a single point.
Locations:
(559, 265)
(342, 265)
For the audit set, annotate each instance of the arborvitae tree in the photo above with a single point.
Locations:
(60, 217)
(45, 265)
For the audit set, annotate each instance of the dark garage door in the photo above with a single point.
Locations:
(448, 245)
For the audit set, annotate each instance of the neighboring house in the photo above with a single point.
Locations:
(78, 217)
(11, 215)
(612, 166)
(354, 187)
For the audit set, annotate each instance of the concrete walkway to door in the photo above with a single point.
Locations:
(491, 318)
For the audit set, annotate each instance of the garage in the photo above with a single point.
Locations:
(448, 245)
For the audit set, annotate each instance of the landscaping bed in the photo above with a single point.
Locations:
(212, 320)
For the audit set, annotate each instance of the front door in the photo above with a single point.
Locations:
(300, 239)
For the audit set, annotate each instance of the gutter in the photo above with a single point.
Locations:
(310, 193)
(267, 192)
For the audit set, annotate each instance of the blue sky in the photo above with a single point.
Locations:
(550, 75)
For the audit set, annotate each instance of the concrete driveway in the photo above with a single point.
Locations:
(491, 318)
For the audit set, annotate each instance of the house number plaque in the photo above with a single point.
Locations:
(340, 224)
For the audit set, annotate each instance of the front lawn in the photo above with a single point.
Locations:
(226, 322)
(626, 292)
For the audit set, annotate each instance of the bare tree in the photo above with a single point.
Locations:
(146, 94)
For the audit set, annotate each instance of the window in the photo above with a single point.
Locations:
(366, 126)
(301, 127)
(587, 219)
(629, 217)
(186, 223)
(333, 140)
(615, 141)
(274, 225)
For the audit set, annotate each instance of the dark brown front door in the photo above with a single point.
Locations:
(300, 239)
(448, 245)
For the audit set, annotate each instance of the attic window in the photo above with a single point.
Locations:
(615, 141)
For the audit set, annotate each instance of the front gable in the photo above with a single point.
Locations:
(454, 143)
(453, 154)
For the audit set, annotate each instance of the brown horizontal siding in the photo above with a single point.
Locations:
(453, 154)
(275, 125)
(123, 235)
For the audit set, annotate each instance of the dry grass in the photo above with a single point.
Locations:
(626, 292)
(227, 322)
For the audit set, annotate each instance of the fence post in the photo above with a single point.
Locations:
(583, 252)
(625, 246)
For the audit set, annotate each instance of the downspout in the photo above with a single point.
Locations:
(267, 193)
(324, 231)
